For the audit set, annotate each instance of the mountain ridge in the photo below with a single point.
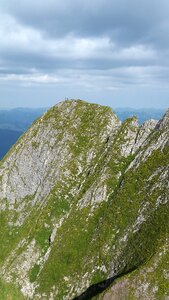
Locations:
(18, 120)
(75, 175)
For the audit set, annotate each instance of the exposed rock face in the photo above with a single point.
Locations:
(143, 132)
(84, 197)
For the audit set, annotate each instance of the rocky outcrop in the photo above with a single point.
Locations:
(83, 198)
(144, 131)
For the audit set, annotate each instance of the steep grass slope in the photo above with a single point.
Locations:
(83, 198)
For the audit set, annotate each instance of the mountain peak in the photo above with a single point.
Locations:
(83, 200)
(164, 122)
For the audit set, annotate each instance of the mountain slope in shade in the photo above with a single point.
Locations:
(8, 138)
(84, 198)
(13, 123)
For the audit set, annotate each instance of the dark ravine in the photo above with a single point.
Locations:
(98, 288)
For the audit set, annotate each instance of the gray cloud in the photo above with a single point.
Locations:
(133, 20)
(101, 44)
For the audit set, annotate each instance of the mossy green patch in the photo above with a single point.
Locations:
(34, 273)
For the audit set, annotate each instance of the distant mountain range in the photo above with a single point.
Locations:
(16, 121)
(143, 114)
(13, 123)
(19, 119)
(7, 139)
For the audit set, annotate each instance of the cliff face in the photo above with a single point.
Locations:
(84, 197)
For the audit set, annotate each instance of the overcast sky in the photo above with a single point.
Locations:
(114, 52)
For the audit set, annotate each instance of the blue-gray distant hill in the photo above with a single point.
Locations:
(7, 139)
(143, 114)
(19, 119)
(13, 123)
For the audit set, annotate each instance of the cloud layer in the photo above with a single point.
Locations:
(101, 44)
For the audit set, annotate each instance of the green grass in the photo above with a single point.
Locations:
(9, 292)
(79, 246)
